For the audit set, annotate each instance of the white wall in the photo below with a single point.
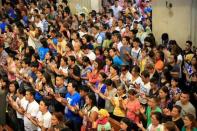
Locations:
(175, 21)
(89, 4)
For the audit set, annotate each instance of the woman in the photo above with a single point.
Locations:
(159, 64)
(100, 87)
(144, 60)
(175, 91)
(87, 68)
(170, 126)
(86, 41)
(75, 22)
(126, 124)
(108, 61)
(99, 53)
(189, 123)
(108, 95)
(93, 77)
(89, 112)
(132, 106)
(152, 107)
(156, 118)
(165, 101)
(57, 122)
(113, 75)
(119, 113)
(135, 79)
(11, 97)
(11, 68)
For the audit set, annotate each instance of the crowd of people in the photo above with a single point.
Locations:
(64, 71)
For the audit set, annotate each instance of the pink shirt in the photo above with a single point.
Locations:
(132, 108)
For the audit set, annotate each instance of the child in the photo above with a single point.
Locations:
(102, 122)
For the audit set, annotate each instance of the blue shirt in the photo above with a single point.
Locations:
(42, 52)
(73, 100)
(3, 26)
(117, 61)
(55, 41)
(12, 14)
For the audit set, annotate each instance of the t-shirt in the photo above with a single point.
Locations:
(117, 61)
(22, 103)
(188, 108)
(179, 123)
(32, 108)
(73, 100)
(117, 110)
(160, 127)
(133, 107)
(107, 127)
(144, 91)
(3, 26)
(108, 105)
(45, 119)
(42, 52)
(116, 11)
(148, 114)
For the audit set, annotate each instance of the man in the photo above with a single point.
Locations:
(3, 54)
(120, 26)
(38, 22)
(98, 38)
(31, 110)
(89, 53)
(61, 90)
(173, 67)
(154, 91)
(74, 70)
(71, 100)
(125, 75)
(20, 105)
(144, 87)
(176, 116)
(116, 38)
(83, 91)
(188, 49)
(116, 60)
(43, 118)
(116, 9)
(186, 105)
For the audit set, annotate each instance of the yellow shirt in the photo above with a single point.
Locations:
(117, 110)
(143, 64)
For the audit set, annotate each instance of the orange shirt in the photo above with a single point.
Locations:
(159, 65)
(132, 108)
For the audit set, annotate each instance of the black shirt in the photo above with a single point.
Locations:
(179, 123)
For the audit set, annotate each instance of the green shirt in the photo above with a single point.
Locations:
(184, 129)
(148, 114)
(107, 127)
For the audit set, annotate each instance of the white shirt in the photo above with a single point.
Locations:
(32, 109)
(40, 25)
(22, 103)
(98, 38)
(121, 30)
(136, 81)
(116, 11)
(119, 45)
(144, 90)
(91, 56)
(45, 119)
(160, 127)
